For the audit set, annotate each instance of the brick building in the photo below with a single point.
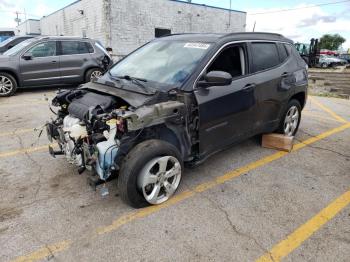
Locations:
(126, 24)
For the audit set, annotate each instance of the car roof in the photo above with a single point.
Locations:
(62, 38)
(210, 37)
(22, 36)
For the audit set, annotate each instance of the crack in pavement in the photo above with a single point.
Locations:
(234, 228)
(34, 162)
(321, 148)
(51, 255)
(324, 149)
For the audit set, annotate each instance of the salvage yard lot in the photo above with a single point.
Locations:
(242, 204)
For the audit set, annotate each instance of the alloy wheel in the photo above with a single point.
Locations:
(6, 85)
(291, 121)
(159, 179)
(95, 74)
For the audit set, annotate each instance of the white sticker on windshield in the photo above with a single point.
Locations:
(197, 45)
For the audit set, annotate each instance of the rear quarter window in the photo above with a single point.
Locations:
(264, 56)
(76, 47)
(283, 52)
(89, 47)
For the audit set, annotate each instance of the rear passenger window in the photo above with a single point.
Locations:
(265, 55)
(76, 47)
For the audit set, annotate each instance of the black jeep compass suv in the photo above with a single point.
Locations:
(175, 101)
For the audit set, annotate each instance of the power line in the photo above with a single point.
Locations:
(20, 13)
(298, 8)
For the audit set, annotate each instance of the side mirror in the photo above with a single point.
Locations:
(216, 78)
(27, 57)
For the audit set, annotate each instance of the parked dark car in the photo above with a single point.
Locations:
(174, 102)
(12, 41)
(345, 57)
(47, 61)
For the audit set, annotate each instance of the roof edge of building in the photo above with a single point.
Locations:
(77, 1)
(29, 19)
(177, 1)
(209, 6)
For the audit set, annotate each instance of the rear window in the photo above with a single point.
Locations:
(76, 47)
(265, 56)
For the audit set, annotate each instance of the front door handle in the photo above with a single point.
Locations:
(285, 74)
(54, 61)
(248, 87)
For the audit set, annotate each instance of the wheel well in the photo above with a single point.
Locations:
(161, 132)
(12, 74)
(300, 97)
(169, 136)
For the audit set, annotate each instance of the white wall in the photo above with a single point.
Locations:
(70, 21)
(133, 21)
(124, 25)
(29, 27)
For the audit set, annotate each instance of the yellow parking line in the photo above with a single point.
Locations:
(329, 111)
(22, 104)
(302, 233)
(25, 150)
(44, 252)
(125, 219)
(18, 131)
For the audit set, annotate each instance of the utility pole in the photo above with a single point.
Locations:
(17, 19)
(25, 20)
(254, 26)
(229, 18)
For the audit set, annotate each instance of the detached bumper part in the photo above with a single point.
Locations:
(51, 131)
(54, 153)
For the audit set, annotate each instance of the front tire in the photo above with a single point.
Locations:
(92, 74)
(150, 174)
(8, 85)
(290, 120)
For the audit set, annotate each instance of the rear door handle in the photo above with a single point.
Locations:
(54, 61)
(248, 87)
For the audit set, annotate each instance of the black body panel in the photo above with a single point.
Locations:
(90, 101)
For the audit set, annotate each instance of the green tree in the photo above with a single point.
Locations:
(331, 42)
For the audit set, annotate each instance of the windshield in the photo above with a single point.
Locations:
(166, 62)
(17, 48)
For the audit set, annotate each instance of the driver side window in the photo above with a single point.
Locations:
(44, 49)
(230, 60)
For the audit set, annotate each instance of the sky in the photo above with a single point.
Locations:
(300, 25)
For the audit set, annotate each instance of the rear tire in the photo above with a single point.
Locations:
(141, 165)
(290, 119)
(8, 84)
(92, 74)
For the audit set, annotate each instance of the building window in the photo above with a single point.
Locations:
(159, 32)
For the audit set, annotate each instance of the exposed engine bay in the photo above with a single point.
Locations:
(95, 130)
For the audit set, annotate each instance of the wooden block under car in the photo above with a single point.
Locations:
(277, 141)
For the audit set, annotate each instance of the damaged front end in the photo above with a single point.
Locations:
(97, 125)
